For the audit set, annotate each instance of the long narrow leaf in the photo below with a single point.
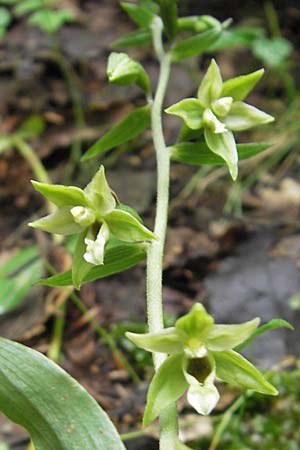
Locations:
(196, 44)
(56, 411)
(135, 123)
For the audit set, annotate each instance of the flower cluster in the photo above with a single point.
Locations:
(94, 213)
(199, 352)
(219, 110)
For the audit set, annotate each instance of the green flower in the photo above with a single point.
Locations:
(219, 111)
(95, 215)
(199, 352)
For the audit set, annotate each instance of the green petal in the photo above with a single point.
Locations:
(234, 369)
(196, 324)
(190, 110)
(239, 87)
(243, 116)
(166, 341)
(127, 228)
(60, 222)
(61, 195)
(211, 86)
(225, 337)
(98, 194)
(223, 144)
(167, 386)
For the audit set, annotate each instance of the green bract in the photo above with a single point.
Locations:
(219, 110)
(199, 352)
(95, 215)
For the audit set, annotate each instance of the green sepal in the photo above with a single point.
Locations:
(199, 153)
(195, 45)
(169, 340)
(243, 116)
(121, 69)
(134, 124)
(60, 222)
(223, 144)
(211, 86)
(80, 268)
(61, 195)
(130, 210)
(234, 369)
(224, 337)
(127, 228)
(167, 385)
(140, 15)
(190, 110)
(239, 87)
(196, 324)
(137, 38)
(98, 194)
(116, 259)
(168, 13)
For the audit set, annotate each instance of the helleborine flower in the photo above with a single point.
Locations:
(199, 352)
(219, 110)
(94, 214)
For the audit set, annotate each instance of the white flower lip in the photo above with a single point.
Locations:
(94, 251)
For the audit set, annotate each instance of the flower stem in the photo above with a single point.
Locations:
(168, 419)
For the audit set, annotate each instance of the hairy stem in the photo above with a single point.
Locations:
(168, 419)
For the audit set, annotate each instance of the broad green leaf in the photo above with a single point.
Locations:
(126, 227)
(140, 15)
(121, 69)
(167, 385)
(137, 38)
(224, 337)
(196, 324)
(5, 18)
(168, 340)
(224, 145)
(271, 325)
(195, 45)
(135, 123)
(233, 368)
(190, 110)
(80, 268)
(211, 86)
(57, 412)
(60, 222)
(33, 126)
(99, 195)
(238, 88)
(198, 153)
(273, 52)
(243, 116)
(116, 259)
(49, 20)
(61, 195)
(168, 13)
(17, 276)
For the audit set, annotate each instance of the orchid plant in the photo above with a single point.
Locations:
(195, 353)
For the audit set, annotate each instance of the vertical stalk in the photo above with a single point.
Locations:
(168, 419)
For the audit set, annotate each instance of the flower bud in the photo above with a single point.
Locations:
(83, 216)
(213, 123)
(222, 106)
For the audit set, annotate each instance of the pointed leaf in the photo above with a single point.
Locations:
(190, 110)
(195, 45)
(271, 325)
(116, 259)
(135, 123)
(198, 153)
(243, 116)
(126, 227)
(60, 222)
(234, 369)
(61, 195)
(224, 145)
(80, 267)
(166, 341)
(238, 88)
(140, 15)
(224, 337)
(57, 412)
(211, 85)
(168, 13)
(137, 38)
(167, 385)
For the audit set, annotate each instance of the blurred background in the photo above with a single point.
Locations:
(235, 247)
